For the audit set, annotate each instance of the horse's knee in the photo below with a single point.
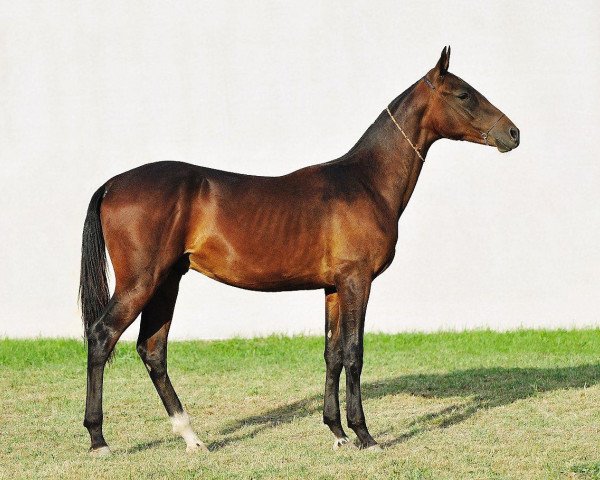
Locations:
(353, 365)
(92, 420)
(331, 416)
(356, 421)
(333, 362)
(354, 369)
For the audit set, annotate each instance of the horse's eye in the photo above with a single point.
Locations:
(463, 96)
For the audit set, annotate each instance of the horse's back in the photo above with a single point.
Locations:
(240, 229)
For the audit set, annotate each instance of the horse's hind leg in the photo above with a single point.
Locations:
(152, 347)
(124, 306)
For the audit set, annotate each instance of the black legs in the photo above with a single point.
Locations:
(344, 329)
(152, 341)
(333, 361)
(102, 336)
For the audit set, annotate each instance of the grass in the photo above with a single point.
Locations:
(473, 405)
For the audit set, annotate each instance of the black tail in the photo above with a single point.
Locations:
(93, 280)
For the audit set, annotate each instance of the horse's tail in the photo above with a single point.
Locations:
(93, 280)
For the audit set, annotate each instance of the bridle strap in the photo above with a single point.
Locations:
(485, 135)
(414, 147)
(463, 114)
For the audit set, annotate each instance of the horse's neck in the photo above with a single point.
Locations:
(393, 164)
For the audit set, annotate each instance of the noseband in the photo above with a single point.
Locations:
(484, 135)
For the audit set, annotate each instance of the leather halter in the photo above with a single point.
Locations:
(414, 147)
(484, 135)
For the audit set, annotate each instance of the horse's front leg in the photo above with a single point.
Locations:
(353, 290)
(333, 362)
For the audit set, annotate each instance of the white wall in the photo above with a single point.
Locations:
(90, 89)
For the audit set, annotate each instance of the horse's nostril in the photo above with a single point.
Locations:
(514, 133)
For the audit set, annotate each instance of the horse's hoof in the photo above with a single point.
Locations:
(196, 447)
(374, 448)
(100, 452)
(340, 442)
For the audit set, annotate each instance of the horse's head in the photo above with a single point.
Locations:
(457, 111)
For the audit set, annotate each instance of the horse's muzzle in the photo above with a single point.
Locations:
(506, 136)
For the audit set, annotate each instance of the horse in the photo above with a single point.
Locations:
(330, 226)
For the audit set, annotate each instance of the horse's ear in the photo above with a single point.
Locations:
(444, 62)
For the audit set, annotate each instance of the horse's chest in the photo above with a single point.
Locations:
(367, 239)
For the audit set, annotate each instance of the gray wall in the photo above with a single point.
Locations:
(89, 89)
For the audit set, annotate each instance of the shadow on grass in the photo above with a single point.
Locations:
(140, 447)
(481, 389)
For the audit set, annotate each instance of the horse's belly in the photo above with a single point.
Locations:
(262, 280)
(270, 267)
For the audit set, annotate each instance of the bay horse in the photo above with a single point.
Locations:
(331, 226)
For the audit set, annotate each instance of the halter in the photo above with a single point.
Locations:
(462, 113)
(415, 148)
(484, 135)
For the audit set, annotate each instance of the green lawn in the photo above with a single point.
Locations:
(476, 405)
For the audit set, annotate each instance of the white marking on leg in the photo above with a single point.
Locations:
(182, 426)
(329, 334)
(100, 452)
(340, 442)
